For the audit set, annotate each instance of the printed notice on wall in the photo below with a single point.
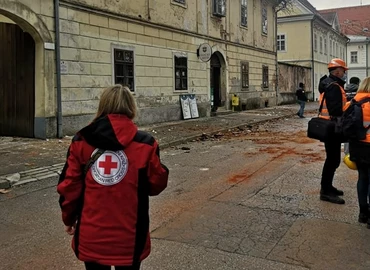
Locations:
(193, 106)
(185, 106)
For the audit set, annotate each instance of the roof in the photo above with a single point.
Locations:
(358, 39)
(329, 17)
(353, 20)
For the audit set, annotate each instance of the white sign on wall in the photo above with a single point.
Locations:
(63, 67)
(205, 52)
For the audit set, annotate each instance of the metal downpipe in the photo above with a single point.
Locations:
(57, 63)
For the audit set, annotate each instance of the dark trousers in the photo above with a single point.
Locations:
(95, 266)
(302, 104)
(332, 162)
(363, 186)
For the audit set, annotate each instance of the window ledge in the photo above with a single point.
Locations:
(181, 91)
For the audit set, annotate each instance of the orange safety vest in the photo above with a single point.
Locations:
(324, 111)
(365, 113)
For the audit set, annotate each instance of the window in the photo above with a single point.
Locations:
(219, 8)
(331, 48)
(245, 74)
(354, 58)
(315, 42)
(181, 72)
(244, 13)
(281, 42)
(325, 46)
(124, 68)
(321, 45)
(179, 1)
(264, 18)
(336, 49)
(265, 76)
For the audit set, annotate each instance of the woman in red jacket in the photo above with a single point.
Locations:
(110, 172)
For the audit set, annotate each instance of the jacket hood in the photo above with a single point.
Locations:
(326, 81)
(111, 132)
(351, 87)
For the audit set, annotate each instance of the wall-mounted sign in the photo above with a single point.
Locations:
(63, 67)
(204, 52)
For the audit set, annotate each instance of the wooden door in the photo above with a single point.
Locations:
(17, 81)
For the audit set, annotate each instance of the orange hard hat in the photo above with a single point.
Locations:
(337, 62)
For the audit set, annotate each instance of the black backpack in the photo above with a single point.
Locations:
(352, 121)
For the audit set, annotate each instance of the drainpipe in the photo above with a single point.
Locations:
(313, 60)
(367, 56)
(57, 63)
(277, 61)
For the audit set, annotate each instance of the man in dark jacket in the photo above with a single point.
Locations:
(352, 87)
(333, 99)
(301, 97)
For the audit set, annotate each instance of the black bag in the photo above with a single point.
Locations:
(352, 121)
(320, 128)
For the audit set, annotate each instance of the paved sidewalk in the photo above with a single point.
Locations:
(27, 160)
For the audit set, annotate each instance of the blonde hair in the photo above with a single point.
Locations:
(117, 99)
(364, 86)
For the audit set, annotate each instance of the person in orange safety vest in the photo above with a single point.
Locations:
(359, 152)
(333, 98)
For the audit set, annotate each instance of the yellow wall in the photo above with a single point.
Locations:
(298, 41)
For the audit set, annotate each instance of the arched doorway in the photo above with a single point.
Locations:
(17, 81)
(217, 81)
(28, 115)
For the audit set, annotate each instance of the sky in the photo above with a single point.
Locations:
(326, 4)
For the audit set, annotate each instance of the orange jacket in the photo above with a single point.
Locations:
(324, 111)
(365, 113)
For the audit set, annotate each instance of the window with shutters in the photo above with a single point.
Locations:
(124, 72)
(264, 18)
(265, 76)
(244, 13)
(245, 74)
(219, 8)
(181, 72)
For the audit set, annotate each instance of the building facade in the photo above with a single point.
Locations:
(151, 46)
(355, 24)
(306, 38)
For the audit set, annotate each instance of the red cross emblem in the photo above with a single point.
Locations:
(108, 165)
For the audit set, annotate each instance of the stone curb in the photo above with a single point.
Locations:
(29, 176)
(42, 173)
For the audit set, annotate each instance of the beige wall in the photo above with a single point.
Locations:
(87, 44)
(197, 17)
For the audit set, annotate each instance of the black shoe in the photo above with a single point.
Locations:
(362, 218)
(337, 192)
(301, 116)
(331, 197)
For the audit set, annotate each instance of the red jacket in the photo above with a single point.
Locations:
(111, 204)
